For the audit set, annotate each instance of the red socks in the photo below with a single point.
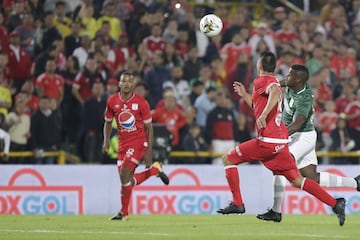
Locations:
(125, 199)
(314, 189)
(232, 176)
(142, 176)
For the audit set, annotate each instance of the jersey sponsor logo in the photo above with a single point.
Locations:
(126, 120)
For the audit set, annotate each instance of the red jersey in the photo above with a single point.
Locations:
(130, 117)
(174, 120)
(52, 86)
(351, 108)
(275, 130)
(327, 121)
(154, 45)
(230, 53)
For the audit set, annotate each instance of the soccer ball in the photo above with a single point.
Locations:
(211, 25)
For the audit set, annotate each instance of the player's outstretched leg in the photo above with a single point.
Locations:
(161, 174)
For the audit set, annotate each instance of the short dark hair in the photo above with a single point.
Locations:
(123, 74)
(60, 3)
(301, 72)
(268, 61)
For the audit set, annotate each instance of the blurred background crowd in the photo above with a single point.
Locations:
(60, 60)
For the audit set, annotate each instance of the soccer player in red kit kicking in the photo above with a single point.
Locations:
(133, 119)
(271, 144)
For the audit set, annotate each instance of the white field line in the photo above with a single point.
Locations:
(81, 232)
(303, 235)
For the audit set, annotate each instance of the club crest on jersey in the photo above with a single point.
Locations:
(134, 106)
(126, 120)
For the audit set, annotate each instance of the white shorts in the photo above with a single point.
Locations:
(302, 147)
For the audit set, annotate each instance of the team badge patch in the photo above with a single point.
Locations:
(134, 106)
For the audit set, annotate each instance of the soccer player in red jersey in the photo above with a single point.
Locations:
(133, 120)
(271, 144)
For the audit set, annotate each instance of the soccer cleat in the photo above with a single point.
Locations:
(339, 209)
(357, 179)
(163, 177)
(232, 208)
(270, 216)
(119, 216)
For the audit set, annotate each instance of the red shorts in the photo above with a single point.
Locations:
(131, 157)
(274, 156)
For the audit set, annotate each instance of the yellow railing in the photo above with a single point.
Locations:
(64, 157)
(353, 154)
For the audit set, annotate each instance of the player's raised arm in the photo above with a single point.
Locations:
(240, 89)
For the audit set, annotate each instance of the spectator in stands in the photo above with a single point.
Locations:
(280, 16)
(87, 20)
(352, 111)
(220, 126)
(4, 43)
(171, 59)
(85, 79)
(171, 116)
(342, 62)
(92, 120)
(72, 41)
(154, 43)
(50, 84)
(230, 51)
(156, 77)
(205, 77)
(70, 107)
(40, 62)
(15, 17)
(192, 64)
(196, 90)
(286, 34)
(314, 64)
(213, 48)
(105, 31)
(27, 34)
(341, 140)
(18, 124)
(45, 129)
(194, 142)
(142, 89)
(204, 104)
(179, 86)
(61, 21)
(49, 32)
(326, 122)
(27, 94)
(237, 22)
(262, 32)
(346, 97)
(109, 15)
(123, 51)
(170, 33)
(19, 62)
(242, 132)
(82, 52)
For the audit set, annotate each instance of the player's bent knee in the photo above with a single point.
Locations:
(225, 160)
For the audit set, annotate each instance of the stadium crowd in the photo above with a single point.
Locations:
(60, 60)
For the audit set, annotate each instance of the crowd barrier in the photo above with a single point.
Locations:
(64, 157)
(193, 189)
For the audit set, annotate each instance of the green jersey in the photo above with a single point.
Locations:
(299, 103)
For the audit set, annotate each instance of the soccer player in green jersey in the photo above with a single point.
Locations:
(298, 117)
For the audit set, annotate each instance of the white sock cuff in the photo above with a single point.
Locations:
(230, 166)
(324, 179)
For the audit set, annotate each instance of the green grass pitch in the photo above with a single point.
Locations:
(194, 227)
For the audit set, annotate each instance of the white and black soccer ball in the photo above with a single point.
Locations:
(211, 25)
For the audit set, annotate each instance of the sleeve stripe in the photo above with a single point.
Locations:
(270, 85)
(148, 120)
(108, 119)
